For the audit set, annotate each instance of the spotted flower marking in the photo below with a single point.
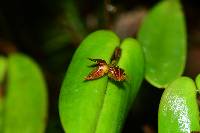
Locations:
(102, 68)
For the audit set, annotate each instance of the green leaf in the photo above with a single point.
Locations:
(55, 39)
(73, 17)
(198, 81)
(26, 97)
(163, 38)
(100, 105)
(2, 74)
(119, 97)
(80, 102)
(178, 110)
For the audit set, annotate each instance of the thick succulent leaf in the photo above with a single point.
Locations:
(119, 96)
(80, 101)
(198, 81)
(163, 38)
(99, 105)
(26, 97)
(178, 110)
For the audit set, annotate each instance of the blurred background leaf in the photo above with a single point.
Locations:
(25, 102)
(163, 38)
(2, 68)
(2, 75)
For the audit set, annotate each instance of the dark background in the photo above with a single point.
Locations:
(50, 31)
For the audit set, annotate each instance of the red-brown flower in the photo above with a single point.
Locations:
(102, 68)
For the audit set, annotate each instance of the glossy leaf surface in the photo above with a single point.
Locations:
(163, 38)
(99, 105)
(178, 110)
(119, 96)
(26, 97)
(80, 101)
